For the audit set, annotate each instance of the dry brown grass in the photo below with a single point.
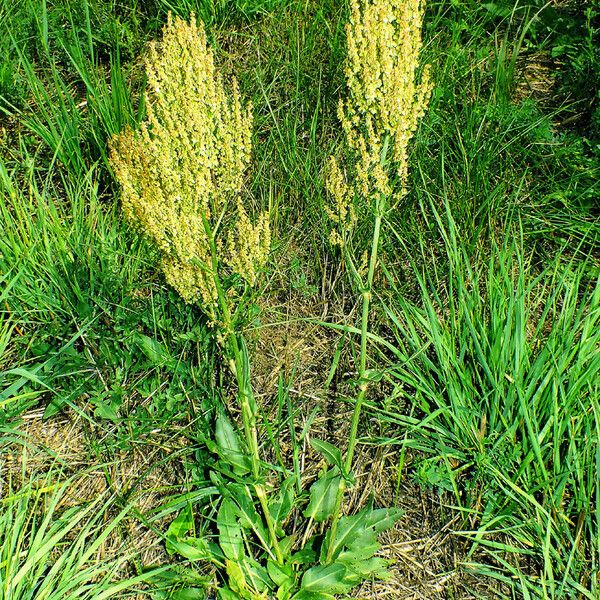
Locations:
(62, 447)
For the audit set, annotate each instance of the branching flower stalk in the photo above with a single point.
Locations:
(181, 178)
(386, 99)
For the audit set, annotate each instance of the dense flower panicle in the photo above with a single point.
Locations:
(181, 172)
(343, 213)
(248, 245)
(385, 98)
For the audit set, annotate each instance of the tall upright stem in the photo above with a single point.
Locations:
(367, 292)
(247, 403)
(364, 330)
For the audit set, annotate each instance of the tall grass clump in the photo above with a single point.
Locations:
(68, 267)
(52, 550)
(218, 11)
(74, 100)
(500, 359)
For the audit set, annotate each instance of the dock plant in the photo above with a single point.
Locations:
(181, 176)
(386, 99)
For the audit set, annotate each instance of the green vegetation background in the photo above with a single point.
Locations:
(489, 299)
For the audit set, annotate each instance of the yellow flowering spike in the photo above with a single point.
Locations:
(385, 98)
(190, 281)
(180, 172)
(248, 245)
(342, 213)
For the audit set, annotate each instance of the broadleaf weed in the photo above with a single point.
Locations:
(181, 177)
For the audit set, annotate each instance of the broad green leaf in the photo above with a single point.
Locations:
(332, 454)
(349, 528)
(107, 410)
(281, 506)
(304, 595)
(284, 592)
(191, 548)
(55, 405)
(287, 543)
(156, 353)
(178, 529)
(257, 576)
(280, 574)
(364, 569)
(323, 493)
(248, 517)
(236, 577)
(182, 524)
(366, 545)
(230, 531)
(228, 446)
(226, 435)
(497, 10)
(331, 579)
(373, 375)
(381, 519)
(306, 556)
(188, 594)
(226, 594)
(358, 533)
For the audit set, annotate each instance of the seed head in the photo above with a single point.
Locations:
(385, 97)
(181, 174)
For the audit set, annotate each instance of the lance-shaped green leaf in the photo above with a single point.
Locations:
(281, 506)
(248, 516)
(225, 593)
(229, 448)
(359, 532)
(304, 595)
(381, 519)
(331, 453)
(195, 549)
(245, 391)
(306, 556)
(230, 532)
(366, 545)
(335, 578)
(154, 350)
(323, 493)
(349, 528)
(280, 574)
(364, 569)
(181, 525)
(257, 576)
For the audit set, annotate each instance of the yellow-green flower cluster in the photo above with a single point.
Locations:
(248, 246)
(386, 99)
(343, 213)
(181, 173)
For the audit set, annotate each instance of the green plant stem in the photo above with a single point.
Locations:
(247, 403)
(362, 374)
